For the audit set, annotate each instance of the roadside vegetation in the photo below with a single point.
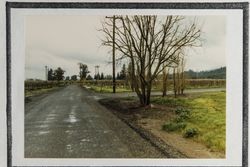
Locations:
(29, 93)
(108, 89)
(38, 87)
(106, 86)
(199, 116)
(184, 122)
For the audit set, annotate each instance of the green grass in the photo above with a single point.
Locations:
(108, 89)
(187, 87)
(174, 126)
(206, 122)
(29, 93)
(169, 101)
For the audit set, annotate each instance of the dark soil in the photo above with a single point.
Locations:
(130, 111)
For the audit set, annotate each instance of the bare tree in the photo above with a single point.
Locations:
(178, 75)
(149, 42)
(165, 74)
(174, 82)
(182, 67)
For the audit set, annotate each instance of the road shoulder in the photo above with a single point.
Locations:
(148, 126)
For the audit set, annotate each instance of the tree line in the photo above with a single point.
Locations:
(56, 74)
(219, 73)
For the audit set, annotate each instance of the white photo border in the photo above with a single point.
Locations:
(86, 5)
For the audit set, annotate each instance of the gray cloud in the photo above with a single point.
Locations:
(67, 40)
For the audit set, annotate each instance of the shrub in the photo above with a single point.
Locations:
(169, 127)
(182, 114)
(181, 110)
(190, 132)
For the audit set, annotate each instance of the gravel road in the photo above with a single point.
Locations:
(70, 123)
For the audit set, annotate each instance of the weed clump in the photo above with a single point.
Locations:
(190, 132)
(172, 126)
(181, 110)
(182, 114)
(171, 102)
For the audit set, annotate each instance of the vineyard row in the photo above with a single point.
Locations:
(189, 83)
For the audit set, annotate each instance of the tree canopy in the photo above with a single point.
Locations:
(150, 43)
(83, 71)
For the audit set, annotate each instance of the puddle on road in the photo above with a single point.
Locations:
(72, 118)
(69, 131)
(97, 97)
(85, 140)
(43, 132)
(69, 148)
(50, 118)
(43, 126)
(106, 131)
(51, 115)
(94, 97)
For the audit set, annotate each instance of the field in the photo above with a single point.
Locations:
(200, 116)
(108, 89)
(106, 86)
(33, 88)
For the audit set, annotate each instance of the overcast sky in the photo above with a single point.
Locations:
(64, 41)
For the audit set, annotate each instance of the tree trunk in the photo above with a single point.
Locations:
(135, 83)
(178, 81)
(182, 76)
(182, 83)
(174, 79)
(148, 94)
(164, 82)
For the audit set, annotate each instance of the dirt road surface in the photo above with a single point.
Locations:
(70, 123)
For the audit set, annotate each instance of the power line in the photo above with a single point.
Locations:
(113, 58)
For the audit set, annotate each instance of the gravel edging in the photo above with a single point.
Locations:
(166, 149)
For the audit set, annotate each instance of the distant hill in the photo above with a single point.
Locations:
(219, 73)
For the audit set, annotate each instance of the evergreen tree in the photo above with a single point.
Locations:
(89, 77)
(67, 78)
(118, 76)
(108, 77)
(102, 76)
(50, 75)
(123, 72)
(97, 76)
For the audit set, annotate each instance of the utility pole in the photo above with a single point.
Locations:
(114, 84)
(97, 72)
(113, 59)
(46, 73)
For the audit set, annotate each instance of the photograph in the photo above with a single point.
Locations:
(110, 86)
(125, 84)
